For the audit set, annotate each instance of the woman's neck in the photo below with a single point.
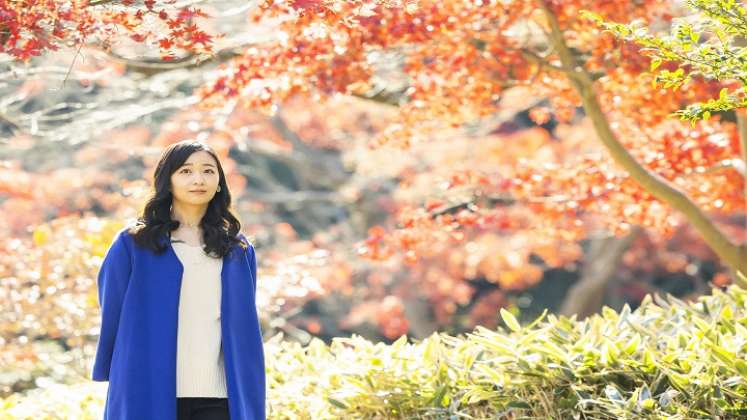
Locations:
(188, 235)
(187, 216)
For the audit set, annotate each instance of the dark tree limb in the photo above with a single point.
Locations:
(586, 296)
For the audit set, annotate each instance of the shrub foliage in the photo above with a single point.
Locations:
(666, 359)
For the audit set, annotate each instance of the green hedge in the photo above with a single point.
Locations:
(666, 360)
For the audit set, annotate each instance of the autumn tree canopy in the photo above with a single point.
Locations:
(460, 57)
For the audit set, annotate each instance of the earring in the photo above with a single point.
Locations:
(219, 188)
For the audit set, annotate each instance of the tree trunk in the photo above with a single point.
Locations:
(586, 296)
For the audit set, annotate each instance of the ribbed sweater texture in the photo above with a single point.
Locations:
(200, 370)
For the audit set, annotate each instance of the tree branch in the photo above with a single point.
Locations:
(742, 127)
(542, 62)
(150, 67)
(733, 255)
(586, 296)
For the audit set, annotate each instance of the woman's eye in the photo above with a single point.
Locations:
(188, 170)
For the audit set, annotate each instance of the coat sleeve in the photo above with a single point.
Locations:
(253, 266)
(251, 260)
(113, 278)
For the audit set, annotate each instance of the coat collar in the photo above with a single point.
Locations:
(165, 240)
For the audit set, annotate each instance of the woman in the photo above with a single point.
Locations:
(180, 336)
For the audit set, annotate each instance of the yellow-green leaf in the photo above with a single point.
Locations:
(510, 320)
(655, 63)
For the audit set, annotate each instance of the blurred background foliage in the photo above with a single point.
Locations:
(397, 178)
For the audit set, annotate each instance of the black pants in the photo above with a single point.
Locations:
(202, 408)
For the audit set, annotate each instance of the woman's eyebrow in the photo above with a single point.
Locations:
(204, 164)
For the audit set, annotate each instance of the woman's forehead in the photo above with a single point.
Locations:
(200, 158)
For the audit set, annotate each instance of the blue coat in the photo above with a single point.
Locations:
(138, 293)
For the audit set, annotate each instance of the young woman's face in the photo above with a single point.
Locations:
(198, 173)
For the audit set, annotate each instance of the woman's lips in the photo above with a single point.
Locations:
(198, 192)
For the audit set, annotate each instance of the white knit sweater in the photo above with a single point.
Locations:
(200, 370)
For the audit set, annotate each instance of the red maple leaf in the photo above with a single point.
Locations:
(173, 23)
(305, 4)
(190, 12)
(200, 37)
(165, 43)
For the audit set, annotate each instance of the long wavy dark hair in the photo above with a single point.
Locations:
(219, 225)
